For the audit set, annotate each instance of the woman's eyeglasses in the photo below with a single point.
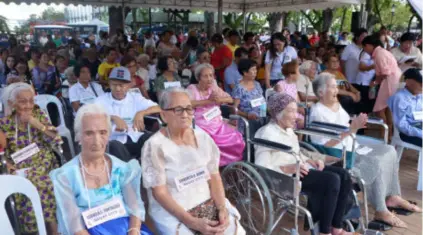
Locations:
(179, 110)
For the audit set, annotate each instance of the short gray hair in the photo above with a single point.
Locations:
(320, 82)
(165, 96)
(199, 69)
(143, 57)
(87, 110)
(11, 92)
(305, 66)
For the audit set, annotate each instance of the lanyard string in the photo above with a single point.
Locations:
(17, 127)
(85, 182)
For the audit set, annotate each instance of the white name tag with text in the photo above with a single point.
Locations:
(199, 175)
(418, 116)
(257, 102)
(25, 153)
(172, 84)
(87, 100)
(110, 210)
(211, 114)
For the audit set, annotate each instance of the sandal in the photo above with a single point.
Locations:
(394, 222)
(411, 208)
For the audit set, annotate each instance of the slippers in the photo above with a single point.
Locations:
(403, 211)
(394, 222)
(379, 225)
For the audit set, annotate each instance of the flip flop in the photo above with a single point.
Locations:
(394, 222)
(402, 211)
(379, 225)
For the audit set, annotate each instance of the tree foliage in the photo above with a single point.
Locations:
(4, 28)
(51, 14)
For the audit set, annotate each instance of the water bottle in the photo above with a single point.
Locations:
(372, 93)
(263, 110)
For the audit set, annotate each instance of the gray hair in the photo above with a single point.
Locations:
(305, 66)
(199, 69)
(320, 82)
(143, 57)
(11, 92)
(89, 110)
(165, 96)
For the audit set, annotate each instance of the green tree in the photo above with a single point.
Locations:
(321, 20)
(51, 14)
(4, 28)
(233, 20)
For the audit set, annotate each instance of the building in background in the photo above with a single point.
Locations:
(77, 14)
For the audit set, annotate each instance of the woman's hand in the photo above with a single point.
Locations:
(252, 116)
(359, 122)
(317, 164)
(204, 226)
(120, 124)
(356, 97)
(292, 169)
(223, 219)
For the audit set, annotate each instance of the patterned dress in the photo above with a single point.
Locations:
(39, 166)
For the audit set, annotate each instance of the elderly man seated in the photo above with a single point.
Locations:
(406, 107)
(96, 193)
(127, 110)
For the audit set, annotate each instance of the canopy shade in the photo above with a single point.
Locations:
(208, 5)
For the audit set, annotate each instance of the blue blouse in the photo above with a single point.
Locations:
(72, 198)
(245, 96)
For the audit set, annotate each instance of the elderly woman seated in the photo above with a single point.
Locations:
(377, 164)
(173, 155)
(206, 97)
(308, 70)
(28, 129)
(127, 111)
(96, 192)
(327, 186)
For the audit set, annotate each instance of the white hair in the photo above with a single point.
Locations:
(89, 110)
(199, 69)
(11, 93)
(165, 96)
(320, 83)
(305, 66)
(143, 57)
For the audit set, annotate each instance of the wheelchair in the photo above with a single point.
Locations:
(263, 196)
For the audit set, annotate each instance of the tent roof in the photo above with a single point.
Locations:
(209, 5)
(92, 22)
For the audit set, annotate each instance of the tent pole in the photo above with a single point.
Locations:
(219, 15)
(244, 21)
(149, 18)
(123, 16)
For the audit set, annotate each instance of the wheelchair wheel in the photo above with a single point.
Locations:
(246, 189)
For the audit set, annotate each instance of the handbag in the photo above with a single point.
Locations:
(205, 210)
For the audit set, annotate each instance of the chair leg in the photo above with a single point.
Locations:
(399, 152)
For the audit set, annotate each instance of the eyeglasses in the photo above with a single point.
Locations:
(179, 110)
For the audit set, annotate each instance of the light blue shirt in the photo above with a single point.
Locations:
(402, 105)
(232, 77)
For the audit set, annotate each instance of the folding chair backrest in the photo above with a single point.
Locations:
(269, 92)
(44, 100)
(12, 184)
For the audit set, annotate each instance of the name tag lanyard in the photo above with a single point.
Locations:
(17, 127)
(106, 167)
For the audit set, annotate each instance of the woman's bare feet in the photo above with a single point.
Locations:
(397, 201)
(390, 218)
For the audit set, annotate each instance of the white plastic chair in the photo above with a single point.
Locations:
(269, 92)
(12, 184)
(400, 145)
(43, 101)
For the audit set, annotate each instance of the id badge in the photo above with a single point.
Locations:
(191, 178)
(418, 115)
(257, 102)
(108, 211)
(87, 100)
(172, 84)
(211, 114)
(25, 153)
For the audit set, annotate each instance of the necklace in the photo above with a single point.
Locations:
(96, 176)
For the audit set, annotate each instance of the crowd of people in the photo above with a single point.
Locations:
(278, 85)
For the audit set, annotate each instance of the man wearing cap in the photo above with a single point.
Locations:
(127, 111)
(406, 107)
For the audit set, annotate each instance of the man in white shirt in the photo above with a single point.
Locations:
(350, 56)
(84, 91)
(127, 111)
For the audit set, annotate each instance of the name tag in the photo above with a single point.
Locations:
(111, 210)
(87, 100)
(25, 153)
(199, 175)
(257, 102)
(418, 116)
(212, 113)
(1, 107)
(172, 84)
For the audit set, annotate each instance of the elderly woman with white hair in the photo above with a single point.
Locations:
(142, 72)
(96, 193)
(206, 97)
(377, 164)
(308, 70)
(327, 186)
(30, 138)
(181, 173)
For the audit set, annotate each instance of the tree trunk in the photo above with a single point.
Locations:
(210, 25)
(115, 19)
(344, 12)
(371, 17)
(134, 20)
(276, 22)
(327, 19)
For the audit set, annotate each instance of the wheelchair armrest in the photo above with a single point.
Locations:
(319, 132)
(271, 144)
(330, 126)
(153, 118)
(380, 122)
(308, 147)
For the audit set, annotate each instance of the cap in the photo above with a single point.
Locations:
(121, 74)
(414, 74)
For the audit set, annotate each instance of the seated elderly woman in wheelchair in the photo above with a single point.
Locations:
(127, 111)
(96, 193)
(31, 139)
(377, 164)
(180, 168)
(206, 97)
(327, 186)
